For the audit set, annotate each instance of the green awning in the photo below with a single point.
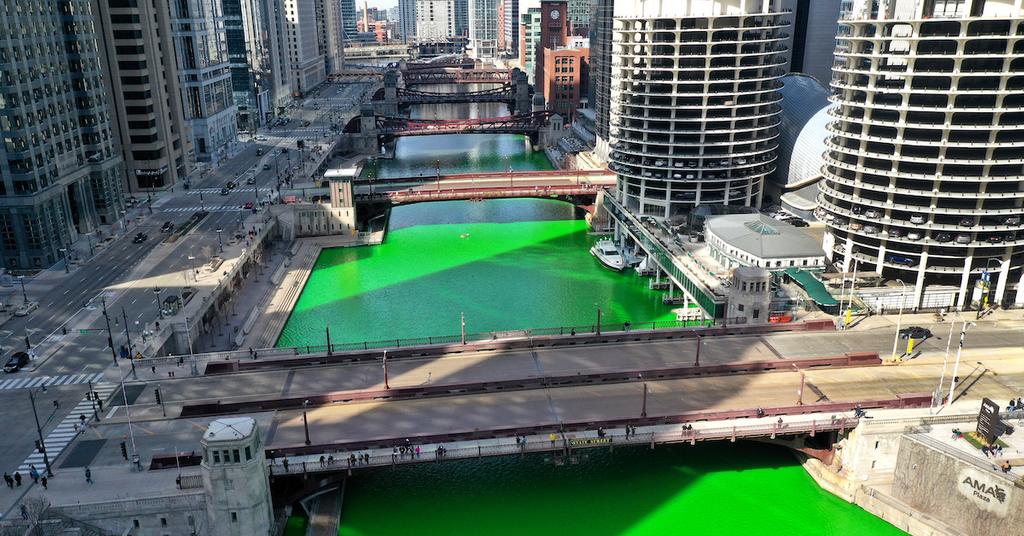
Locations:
(814, 288)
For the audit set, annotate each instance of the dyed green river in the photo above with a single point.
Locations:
(516, 264)
(711, 489)
(507, 264)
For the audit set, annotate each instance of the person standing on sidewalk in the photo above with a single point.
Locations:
(34, 473)
(17, 478)
(44, 481)
(8, 480)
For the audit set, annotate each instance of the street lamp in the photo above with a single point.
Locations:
(110, 334)
(195, 273)
(899, 320)
(39, 430)
(937, 398)
(305, 421)
(219, 240)
(643, 408)
(24, 294)
(159, 307)
(985, 278)
(956, 366)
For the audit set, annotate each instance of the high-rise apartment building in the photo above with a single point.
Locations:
(259, 72)
(815, 23)
(407, 20)
(511, 27)
(348, 17)
(305, 58)
(141, 76)
(529, 40)
(204, 72)
(580, 13)
(435, 19)
(601, 70)
(924, 179)
(332, 28)
(60, 171)
(483, 29)
(694, 102)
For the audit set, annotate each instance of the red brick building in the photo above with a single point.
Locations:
(554, 31)
(565, 80)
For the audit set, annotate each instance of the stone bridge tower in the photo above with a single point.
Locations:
(235, 479)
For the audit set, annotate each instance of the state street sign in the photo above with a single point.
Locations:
(988, 420)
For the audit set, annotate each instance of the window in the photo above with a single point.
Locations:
(216, 457)
(757, 313)
(234, 517)
(248, 454)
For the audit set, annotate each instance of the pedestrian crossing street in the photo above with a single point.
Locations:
(49, 381)
(65, 432)
(220, 208)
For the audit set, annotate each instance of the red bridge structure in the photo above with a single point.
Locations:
(457, 76)
(505, 94)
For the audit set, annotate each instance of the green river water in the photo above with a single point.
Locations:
(515, 264)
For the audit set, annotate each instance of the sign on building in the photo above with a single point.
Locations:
(988, 420)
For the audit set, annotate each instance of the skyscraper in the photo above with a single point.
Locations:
(258, 65)
(60, 173)
(348, 17)
(153, 137)
(580, 12)
(694, 102)
(601, 70)
(200, 44)
(435, 19)
(407, 20)
(483, 29)
(814, 37)
(511, 28)
(924, 179)
(305, 58)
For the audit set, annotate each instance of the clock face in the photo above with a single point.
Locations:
(554, 15)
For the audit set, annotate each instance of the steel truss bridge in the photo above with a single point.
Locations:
(457, 76)
(505, 93)
(531, 123)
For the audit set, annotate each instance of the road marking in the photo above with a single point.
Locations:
(65, 432)
(66, 379)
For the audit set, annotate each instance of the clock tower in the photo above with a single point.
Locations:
(554, 30)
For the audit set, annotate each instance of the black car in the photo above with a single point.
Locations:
(915, 332)
(224, 191)
(140, 238)
(167, 227)
(795, 222)
(16, 362)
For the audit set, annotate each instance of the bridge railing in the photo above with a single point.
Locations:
(566, 442)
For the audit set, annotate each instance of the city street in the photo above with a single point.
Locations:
(126, 274)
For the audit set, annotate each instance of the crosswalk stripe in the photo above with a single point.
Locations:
(47, 381)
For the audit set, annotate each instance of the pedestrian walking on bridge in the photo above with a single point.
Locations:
(88, 475)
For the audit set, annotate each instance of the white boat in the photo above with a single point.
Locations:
(608, 254)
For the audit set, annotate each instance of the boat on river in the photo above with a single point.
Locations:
(608, 254)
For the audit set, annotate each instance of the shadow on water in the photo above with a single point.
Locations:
(722, 488)
(503, 276)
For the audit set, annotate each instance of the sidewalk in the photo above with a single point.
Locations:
(1009, 318)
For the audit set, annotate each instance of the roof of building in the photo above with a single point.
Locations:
(763, 237)
(802, 130)
(230, 429)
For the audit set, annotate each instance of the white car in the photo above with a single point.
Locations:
(260, 138)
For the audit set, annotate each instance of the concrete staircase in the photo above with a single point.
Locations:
(325, 512)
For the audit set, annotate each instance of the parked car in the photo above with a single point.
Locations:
(167, 227)
(873, 214)
(963, 239)
(943, 237)
(967, 222)
(1012, 220)
(140, 238)
(16, 362)
(914, 235)
(796, 222)
(994, 239)
(870, 229)
(856, 226)
(917, 219)
(915, 332)
(900, 260)
(896, 232)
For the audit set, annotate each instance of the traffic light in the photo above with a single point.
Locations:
(156, 392)
(124, 450)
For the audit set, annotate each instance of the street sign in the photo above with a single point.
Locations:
(988, 420)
